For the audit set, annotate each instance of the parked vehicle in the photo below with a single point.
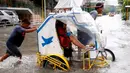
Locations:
(8, 17)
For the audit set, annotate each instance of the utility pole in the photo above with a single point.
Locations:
(44, 8)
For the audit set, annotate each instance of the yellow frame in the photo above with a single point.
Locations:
(41, 58)
(102, 62)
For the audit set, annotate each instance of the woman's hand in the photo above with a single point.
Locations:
(87, 48)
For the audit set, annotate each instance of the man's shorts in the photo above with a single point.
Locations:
(13, 50)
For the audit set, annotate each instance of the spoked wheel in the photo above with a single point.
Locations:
(63, 65)
(105, 57)
(108, 55)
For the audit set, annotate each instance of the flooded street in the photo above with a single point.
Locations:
(118, 41)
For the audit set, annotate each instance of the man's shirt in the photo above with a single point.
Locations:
(17, 36)
(94, 14)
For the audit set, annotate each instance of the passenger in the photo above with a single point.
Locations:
(66, 38)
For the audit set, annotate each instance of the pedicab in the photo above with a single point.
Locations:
(50, 51)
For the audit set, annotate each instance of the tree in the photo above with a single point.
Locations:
(120, 2)
(123, 9)
(125, 3)
(37, 2)
(50, 3)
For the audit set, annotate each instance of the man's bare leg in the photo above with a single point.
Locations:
(4, 57)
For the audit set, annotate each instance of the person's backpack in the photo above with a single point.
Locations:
(63, 38)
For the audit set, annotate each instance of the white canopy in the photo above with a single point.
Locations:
(68, 3)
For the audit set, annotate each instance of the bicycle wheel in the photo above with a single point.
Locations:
(108, 54)
(52, 65)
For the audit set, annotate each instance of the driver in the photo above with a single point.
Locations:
(98, 10)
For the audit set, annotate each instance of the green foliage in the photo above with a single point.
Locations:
(120, 2)
(23, 4)
(123, 9)
(125, 3)
(38, 2)
(1, 1)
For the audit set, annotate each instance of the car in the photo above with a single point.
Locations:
(8, 17)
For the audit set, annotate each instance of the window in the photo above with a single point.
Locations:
(1, 13)
(9, 13)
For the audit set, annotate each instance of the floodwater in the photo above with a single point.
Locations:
(118, 41)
